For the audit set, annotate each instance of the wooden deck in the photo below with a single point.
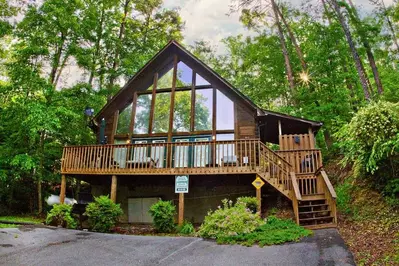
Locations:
(297, 174)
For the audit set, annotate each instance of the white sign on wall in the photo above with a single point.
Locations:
(181, 184)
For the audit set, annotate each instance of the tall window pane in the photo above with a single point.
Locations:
(124, 120)
(199, 80)
(184, 75)
(203, 110)
(165, 81)
(181, 117)
(224, 112)
(161, 113)
(141, 120)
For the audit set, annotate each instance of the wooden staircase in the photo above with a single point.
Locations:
(313, 197)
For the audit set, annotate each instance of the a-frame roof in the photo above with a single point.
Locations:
(161, 63)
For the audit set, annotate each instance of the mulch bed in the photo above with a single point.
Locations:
(135, 230)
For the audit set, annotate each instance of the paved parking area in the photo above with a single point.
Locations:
(56, 246)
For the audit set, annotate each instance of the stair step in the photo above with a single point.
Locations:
(313, 197)
(314, 212)
(315, 205)
(315, 218)
(320, 226)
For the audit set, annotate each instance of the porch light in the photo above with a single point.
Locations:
(89, 111)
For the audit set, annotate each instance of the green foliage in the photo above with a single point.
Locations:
(391, 192)
(103, 214)
(186, 229)
(275, 231)
(25, 219)
(8, 226)
(60, 215)
(229, 220)
(250, 202)
(344, 197)
(163, 215)
(371, 136)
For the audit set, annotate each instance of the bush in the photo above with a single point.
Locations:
(229, 220)
(103, 214)
(186, 229)
(344, 197)
(274, 231)
(163, 215)
(372, 136)
(60, 215)
(250, 202)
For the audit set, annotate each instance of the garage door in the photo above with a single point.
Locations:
(138, 209)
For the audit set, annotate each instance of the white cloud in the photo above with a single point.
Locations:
(208, 19)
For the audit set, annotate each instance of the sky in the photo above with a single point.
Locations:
(208, 20)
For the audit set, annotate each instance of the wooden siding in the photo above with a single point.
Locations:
(296, 142)
(244, 122)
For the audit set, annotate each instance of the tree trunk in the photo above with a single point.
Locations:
(41, 171)
(293, 40)
(56, 59)
(355, 55)
(115, 64)
(390, 26)
(97, 46)
(287, 61)
(369, 52)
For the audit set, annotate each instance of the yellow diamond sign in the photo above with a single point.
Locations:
(258, 183)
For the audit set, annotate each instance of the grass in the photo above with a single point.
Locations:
(8, 226)
(24, 219)
(275, 231)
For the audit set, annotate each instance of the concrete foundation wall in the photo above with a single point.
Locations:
(205, 192)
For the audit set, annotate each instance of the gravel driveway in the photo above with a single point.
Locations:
(55, 246)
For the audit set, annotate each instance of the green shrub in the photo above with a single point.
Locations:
(103, 214)
(60, 215)
(250, 202)
(186, 229)
(344, 197)
(391, 192)
(229, 220)
(274, 231)
(372, 136)
(163, 215)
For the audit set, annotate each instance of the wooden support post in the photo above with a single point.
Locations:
(63, 188)
(311, 138)
(114, 187)
(181, 209)
(259, 199)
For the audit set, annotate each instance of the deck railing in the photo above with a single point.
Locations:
(234, 156)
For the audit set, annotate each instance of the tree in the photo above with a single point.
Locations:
(360, 26)
(355, 54)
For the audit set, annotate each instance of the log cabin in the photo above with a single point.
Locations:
(177, 117)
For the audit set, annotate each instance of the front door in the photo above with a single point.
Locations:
(158, 152)
(201, 152)
(182, 154)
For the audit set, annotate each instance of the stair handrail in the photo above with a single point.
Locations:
(328, 184)
(275, 153)
(295, 186)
